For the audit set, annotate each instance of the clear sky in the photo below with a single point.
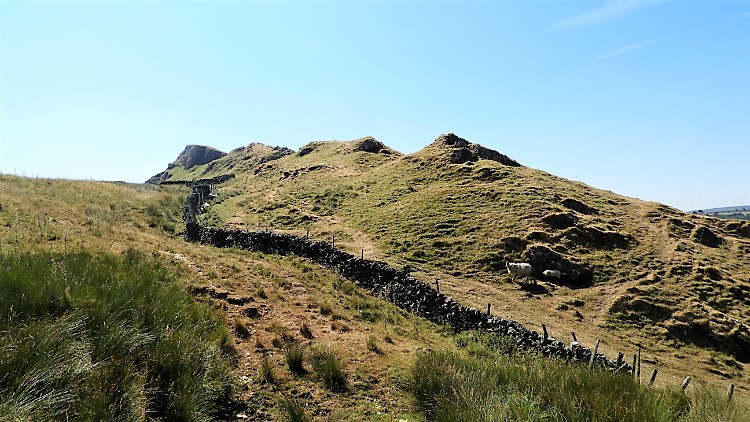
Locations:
(646, 98)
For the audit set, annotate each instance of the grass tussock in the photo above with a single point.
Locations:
(267, 373)
(294, 355)
(488, 382)
(329, 368)
(107, 338)
(293, 410)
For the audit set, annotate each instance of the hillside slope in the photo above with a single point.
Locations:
(634, 272)
(271, 304)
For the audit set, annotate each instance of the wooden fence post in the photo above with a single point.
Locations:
(593, 354)
(545, 335)
(489, 306)
(574, 336)
(653, 377)
(307, 235)
(639, 365)
(363, 255)
(437, 285)
(635, 362)
(686, 382)
(730, 392)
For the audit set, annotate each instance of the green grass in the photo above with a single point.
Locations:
(488, 214)
(294, 355)
(267, 373)
(293, 410)
(329, 368)
(107, 338)
(488, 380)
(166, 214)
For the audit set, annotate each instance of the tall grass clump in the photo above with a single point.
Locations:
(293, 410)
(490, 385)
(107, 337)
(329, 368)
(294, 355)
(166, 214)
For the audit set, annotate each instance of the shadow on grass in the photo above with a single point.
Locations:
(534, 289)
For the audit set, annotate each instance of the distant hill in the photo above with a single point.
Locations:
(633, 271)
(721, 209)
(740, 212)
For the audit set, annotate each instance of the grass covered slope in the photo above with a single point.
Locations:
(457, 212)
(107, 338)
(308, 343)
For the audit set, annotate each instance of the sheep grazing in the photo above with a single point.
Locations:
(518, 268)
(552, 273)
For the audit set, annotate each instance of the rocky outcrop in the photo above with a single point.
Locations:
(191, 156)
(579, 206)
(196, 155)
(369, 144)
(543, 258)
(706, 237)
(461, 151)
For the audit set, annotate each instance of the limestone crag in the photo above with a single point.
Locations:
(196, 155)
(191, 156)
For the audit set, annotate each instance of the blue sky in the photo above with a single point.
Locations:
(646, 98)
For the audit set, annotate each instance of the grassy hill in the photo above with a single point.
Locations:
(290, 340)
(636, 273)
(270, 307)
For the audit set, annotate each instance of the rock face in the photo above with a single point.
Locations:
(369, 144)
(706, 237)
(196, 155)
(191, 156)
(462, 151)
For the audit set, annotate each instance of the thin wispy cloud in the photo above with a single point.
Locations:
(611, 10)
(630, 47)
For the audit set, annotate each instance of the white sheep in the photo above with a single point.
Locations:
(552, 273)
(518, 268)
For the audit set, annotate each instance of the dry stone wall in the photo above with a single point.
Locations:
(383, 281)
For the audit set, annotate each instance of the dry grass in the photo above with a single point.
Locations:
(460, 223)
(454, 223)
